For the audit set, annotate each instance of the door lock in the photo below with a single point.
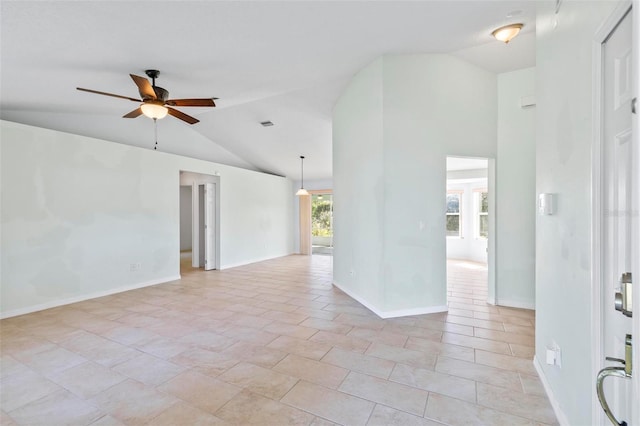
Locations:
(624, 298)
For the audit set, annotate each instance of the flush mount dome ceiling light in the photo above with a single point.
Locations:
(507, 33)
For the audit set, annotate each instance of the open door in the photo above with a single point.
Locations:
(618, 177)
(206, 226)
(209, 226)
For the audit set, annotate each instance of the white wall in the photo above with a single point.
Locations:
(467, 246)
(358, 197)
(77, 212)
(393, 128)
(564, 134)
(516, 192)
(185, 218)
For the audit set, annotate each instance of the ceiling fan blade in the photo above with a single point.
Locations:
(146, 90)
(182, 116)
(206, 102)
(133, 114)
(108, 94)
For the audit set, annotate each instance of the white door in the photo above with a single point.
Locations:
(210, 226)
(616, 214)
(195, 223)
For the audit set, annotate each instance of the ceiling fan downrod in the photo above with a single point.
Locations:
(152, 74)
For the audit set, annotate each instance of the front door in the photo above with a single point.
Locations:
(617, 185)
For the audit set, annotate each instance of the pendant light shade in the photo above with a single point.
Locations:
(302, 191)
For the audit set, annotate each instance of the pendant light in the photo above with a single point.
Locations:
(302, 191)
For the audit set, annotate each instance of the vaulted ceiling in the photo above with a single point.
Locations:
(285, 61)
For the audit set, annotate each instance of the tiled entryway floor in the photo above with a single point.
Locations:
(272, 343)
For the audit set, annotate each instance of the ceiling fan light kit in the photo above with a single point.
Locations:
(155, 102)
(153, 110)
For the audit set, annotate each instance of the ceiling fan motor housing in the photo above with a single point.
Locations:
(161, 94)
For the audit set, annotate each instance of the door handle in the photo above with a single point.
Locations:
(623, 372)
(604, 373)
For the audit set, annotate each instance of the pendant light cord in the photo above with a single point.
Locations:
(155, 129)
(302, 172)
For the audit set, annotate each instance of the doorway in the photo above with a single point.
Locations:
(199, 221)
(468, 222)
(322, 223)
(186, 228)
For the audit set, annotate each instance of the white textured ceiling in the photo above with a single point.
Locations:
(282, 61)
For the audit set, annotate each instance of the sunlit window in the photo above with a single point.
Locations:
(454, 208)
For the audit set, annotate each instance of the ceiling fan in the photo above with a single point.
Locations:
(155, 102)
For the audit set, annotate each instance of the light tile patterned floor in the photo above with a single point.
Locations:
(272, 343)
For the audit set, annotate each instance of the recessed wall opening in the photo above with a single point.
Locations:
(186, 226)
(199, 221)
(467, 229)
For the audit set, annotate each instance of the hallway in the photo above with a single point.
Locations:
(270, 343)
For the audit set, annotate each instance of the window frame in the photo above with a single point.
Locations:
(477, 213)
(459, 193)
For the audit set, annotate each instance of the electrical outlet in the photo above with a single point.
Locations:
(135, 267)
(554, 355)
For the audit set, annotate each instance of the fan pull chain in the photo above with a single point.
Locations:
(155, 128)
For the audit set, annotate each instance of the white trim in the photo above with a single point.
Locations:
(492, 242)
(392, 314)
(635, 415)
(76, 299)
(515, 304)
(560, 416)
(597, 357)
(491, 300)
(413, 311)
(257, 260)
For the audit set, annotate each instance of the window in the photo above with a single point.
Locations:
(454, 204)
(481, 197)
(322, 215)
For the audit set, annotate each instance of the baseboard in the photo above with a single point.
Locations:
(515, 304)
(249, 262)
(76, 299)
(491, 300)
(560, 416)
(393, 314)
(413, 311)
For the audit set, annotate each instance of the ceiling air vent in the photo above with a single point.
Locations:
(266, 123)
